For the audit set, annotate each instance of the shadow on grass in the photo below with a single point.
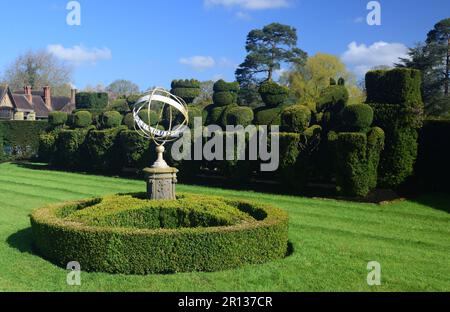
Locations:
(439, 201)
(22, 241)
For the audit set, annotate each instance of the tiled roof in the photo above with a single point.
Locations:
(69, 108)
(59, 102)
(3, 89)
(21, 102)
(40, 93)
(39, 106)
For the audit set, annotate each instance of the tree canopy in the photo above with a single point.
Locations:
(39, 69)
(267, 48)
(122, 87)
(432, 59)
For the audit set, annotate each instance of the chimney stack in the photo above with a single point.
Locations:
(73, 93)
(48, 97)
(27, 92)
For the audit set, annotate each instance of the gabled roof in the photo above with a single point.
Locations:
(39, 106)
(21, 102)
(33, 92)
(59, 102)
(3, 90)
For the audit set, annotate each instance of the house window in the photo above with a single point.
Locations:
(5, 113)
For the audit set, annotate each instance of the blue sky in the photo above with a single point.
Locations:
(153, 42)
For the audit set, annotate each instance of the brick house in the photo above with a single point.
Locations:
(32, 105)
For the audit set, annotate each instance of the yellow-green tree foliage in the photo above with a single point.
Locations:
(307, 82)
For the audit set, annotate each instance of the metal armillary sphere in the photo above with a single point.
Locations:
(160, 103)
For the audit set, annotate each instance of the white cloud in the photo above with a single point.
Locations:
(79, 54)
(249, 4)
(198, 62)
(362, 58)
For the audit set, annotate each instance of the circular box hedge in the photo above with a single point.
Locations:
(131, 235)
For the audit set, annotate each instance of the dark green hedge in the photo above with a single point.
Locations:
(57, 119)
(357, 117)
(399, 155)
(273, 94)
(397, 86)
(70, 149)
(91, 100)
(222, 86)
(102, 150)
(188, 90)
(110, 119)
(295, 118)
(224, 98)
(356, 160)
(240, 115)
(268, 116)
(125, 246)
(120, 105)
(433, 162)
(81, 119)
(134, 150)
(20, 139)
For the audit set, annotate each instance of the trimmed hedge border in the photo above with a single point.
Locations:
(131, 250)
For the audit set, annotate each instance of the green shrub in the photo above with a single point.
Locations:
(128, 121)
(333, 98)
(357, 117)
(91, 100)
(224, 98)
(20, 138)
(57, 119)
(120, 105)
(397, 86)
(82, 119)
(225, 93)
(110, 119)
(240, 115)
(356, 160)
(188, 90)
(215, 114)
(70, 149)
(132, 99)
(399, 114)
(273, 94)
(134, 150)
(47, 145)
(125, 234)
(185, 84)
(195, 111)
(154, 118)
(433, 167)
(102, 150)
(268, 116)
(222, 86)
(295, 118)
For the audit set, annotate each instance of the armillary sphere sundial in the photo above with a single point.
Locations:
(162, 110)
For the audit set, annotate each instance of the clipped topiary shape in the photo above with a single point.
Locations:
(57, 119)
(82, 119)
(273, 94)
(240, 115)
(188, 90)
(128, 121)
(225, 93)
(110, 119)
(295, 118)
(268, 116)
(357, 117)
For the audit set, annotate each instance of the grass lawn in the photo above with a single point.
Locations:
(333, 241)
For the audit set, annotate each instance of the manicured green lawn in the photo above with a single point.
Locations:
(333, 242)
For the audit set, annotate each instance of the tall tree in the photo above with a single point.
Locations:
(439, 38)
(307, 82)
(432, 59)
(39, 69)
(122, 87)
(267, 48)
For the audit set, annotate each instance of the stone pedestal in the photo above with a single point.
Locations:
(161, 182)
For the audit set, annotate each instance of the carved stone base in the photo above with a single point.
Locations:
(161, 183)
